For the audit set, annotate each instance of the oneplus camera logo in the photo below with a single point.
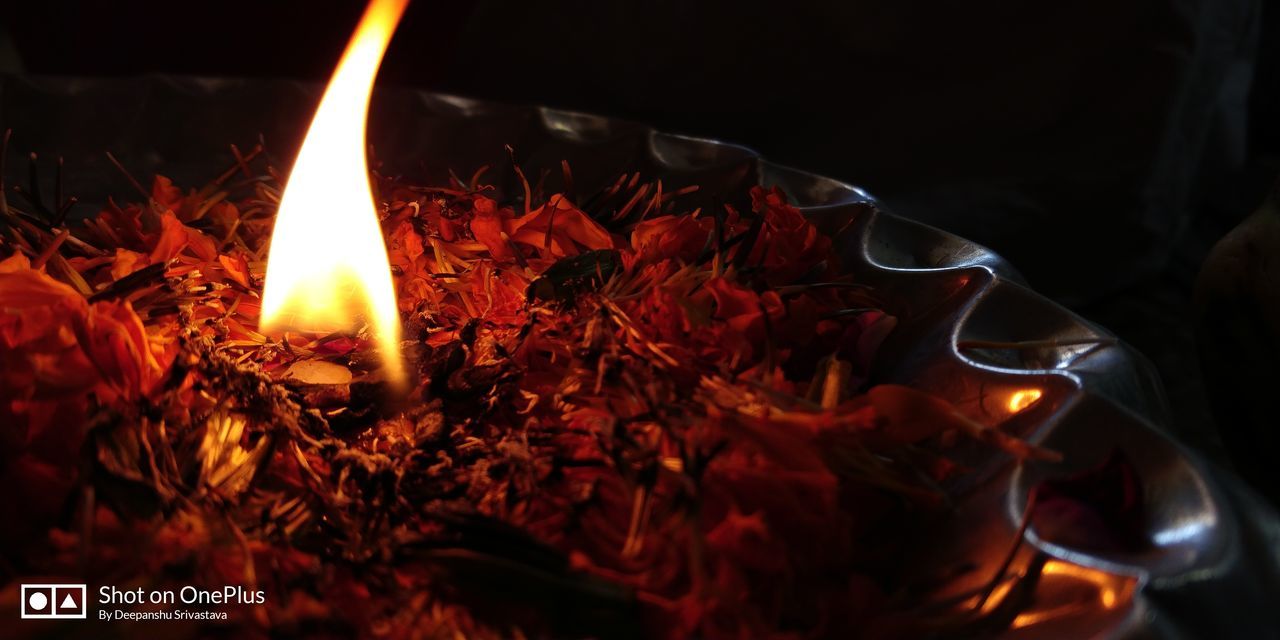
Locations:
(53, 601)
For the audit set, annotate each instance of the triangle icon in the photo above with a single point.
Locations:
(68, 603)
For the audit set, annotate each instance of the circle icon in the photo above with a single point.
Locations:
(37, 601)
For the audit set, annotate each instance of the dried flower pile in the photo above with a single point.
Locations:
(629, 418)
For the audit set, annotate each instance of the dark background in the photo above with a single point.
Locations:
(1103, 146)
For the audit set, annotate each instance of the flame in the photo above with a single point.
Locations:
(1023, 398)
(327, 269)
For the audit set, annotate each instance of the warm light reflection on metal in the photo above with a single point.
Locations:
(1101, 591)
(1023, 398)
(1106, 583)
(997, 595)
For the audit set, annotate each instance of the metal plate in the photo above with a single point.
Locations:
(1213, 567)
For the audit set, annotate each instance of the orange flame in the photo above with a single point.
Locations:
(327, 269)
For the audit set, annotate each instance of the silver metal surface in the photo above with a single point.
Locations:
(1213, 566)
